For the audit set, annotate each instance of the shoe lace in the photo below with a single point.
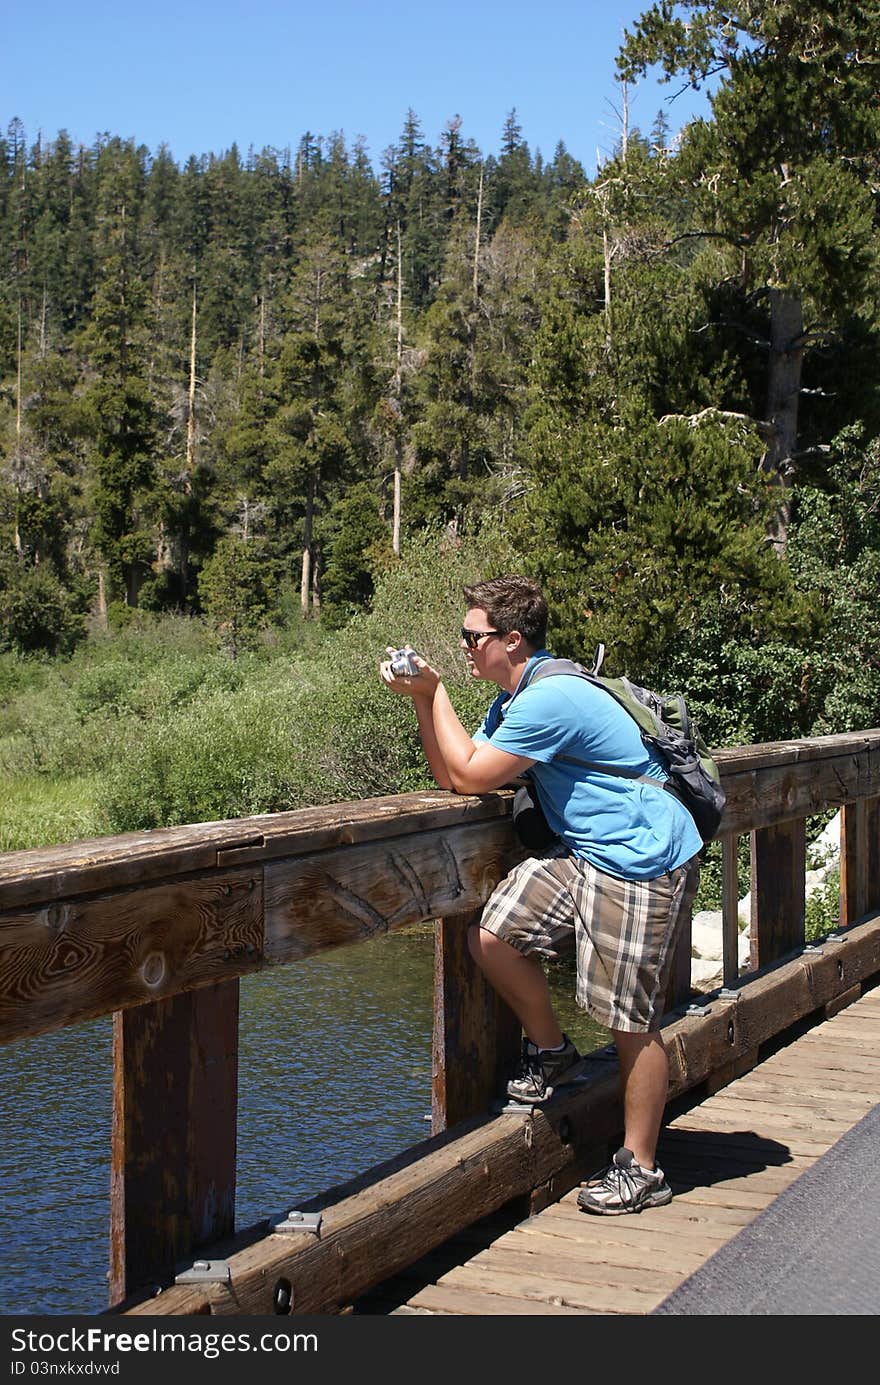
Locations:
(530, 1065)
(621, 1180)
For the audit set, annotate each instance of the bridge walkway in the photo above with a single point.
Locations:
(728, 1159)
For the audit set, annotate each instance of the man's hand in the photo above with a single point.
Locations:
(422, 684)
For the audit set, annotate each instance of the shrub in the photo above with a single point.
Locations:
(176, 732)
(37, 613)
(823, 908)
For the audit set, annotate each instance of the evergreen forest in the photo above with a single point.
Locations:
(262, 413)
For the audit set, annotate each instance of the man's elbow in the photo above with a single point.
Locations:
(466, 783)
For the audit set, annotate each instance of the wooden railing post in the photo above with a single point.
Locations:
(175, 1094)
(859, 859)
(779, 864)
(729, 908)
(678, 988)
(476, 1036)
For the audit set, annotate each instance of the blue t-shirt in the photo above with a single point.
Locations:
(622, 826)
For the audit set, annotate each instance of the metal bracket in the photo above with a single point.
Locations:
(295, 1220)
(834, 936)
(520, 1108)
(511, 1108)
(698, 1010)
(812, 947)
(205, 1272)
(727, 993)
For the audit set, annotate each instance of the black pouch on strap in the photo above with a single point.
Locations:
(529, 822)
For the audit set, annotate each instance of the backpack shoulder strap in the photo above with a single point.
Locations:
(545, 669)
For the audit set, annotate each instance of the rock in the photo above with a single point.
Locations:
(705, 974)
(706, 938)
(825, 850)
(706, 934)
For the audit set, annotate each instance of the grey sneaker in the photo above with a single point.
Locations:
(542, 1071)
(624, 1187)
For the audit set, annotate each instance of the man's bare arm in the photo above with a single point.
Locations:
(455, 760)
(473, 767)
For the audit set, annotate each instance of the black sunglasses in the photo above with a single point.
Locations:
(472, 637)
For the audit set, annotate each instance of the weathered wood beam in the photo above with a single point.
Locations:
(476, 1036)
(175, 1102)
(389, 1218)
(771, 784)
(79, 958)
(41, 876)
(764, 784)
(678, 990)
(729, 908)
(859, 859)
(779, 863)
(354, 893)
(86, 956)
(76, 948)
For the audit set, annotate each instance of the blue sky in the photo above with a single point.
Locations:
(198, 76)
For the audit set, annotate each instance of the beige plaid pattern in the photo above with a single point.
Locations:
(624, 931)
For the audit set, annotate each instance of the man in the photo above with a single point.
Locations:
(618, 884)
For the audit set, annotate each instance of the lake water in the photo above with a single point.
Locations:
(334, 1076)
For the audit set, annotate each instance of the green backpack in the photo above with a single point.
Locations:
(667, 727)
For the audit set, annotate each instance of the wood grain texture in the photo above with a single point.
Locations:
(90, 928)
(859, 859)
(352, 895)
(764, 784)
(375, 1229)
(723, 1175)
(137, 858)
(149, 924)
(774, 783)
(78, 958)
(173, 1147)
(779, 862)
(476, 1037)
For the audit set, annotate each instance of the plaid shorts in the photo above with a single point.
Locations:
(624, 931)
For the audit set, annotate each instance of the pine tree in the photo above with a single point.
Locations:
(309, 446)
(118, 413)
(515, 190)
(782, 176)
(413, 200)
(645, 507)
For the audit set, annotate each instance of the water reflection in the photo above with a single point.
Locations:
(55, 1094)
(335, 1075)
(335, 1068)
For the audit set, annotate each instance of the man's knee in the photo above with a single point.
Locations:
(479, 941)
(486, 946)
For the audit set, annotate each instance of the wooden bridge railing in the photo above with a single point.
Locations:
(157, 928)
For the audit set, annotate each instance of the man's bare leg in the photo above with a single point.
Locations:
(644, 1076)
(520, 981)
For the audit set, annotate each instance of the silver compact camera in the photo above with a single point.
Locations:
(403, 662)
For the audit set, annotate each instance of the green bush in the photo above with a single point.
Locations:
(37, 613)
(314, 729)
(166, 730)
(823, 908)
(216, 758)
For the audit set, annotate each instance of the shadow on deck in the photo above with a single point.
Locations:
(768, 1217)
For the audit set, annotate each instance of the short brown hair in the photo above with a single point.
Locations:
(512, 603)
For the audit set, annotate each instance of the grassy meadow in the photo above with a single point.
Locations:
(153, 724)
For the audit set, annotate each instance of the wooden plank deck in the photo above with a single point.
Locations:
(727, 1159)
